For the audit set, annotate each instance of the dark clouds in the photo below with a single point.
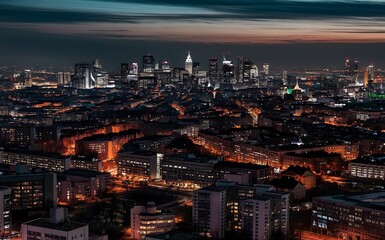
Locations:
(63, 32)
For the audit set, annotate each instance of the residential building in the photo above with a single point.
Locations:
(5, 211)
(303, 175)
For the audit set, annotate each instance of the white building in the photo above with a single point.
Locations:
(5, 211)
(147, 219)
(188, 65)
(58, 227)
(371, 166)
(209, 211)
(256, 218)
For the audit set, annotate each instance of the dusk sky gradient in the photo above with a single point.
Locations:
(283, 32)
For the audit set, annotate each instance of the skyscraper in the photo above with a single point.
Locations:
(63, 78)
(83, 76)
(240, 69)
(371, 72)
(213, 70)
(265, 69)
(228, 70)
(188, 65)
(209, 211)
(148, 63)
(256, 218)
(347, 66)
(366, 77)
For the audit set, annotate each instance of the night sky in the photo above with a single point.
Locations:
(285, 33)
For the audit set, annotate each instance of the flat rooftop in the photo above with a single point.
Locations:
(374, 200)
(64, 226)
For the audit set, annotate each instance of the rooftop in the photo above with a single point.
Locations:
(375, 159)
(64, 226)
(375, 200)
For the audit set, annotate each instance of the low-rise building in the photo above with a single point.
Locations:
(58, 227)
(50, 161)
(350, 217)
(140, 163)
(148, 219)
(302, 175)
(369, 167)
(86, 162)
(286, 184)
(80, 184)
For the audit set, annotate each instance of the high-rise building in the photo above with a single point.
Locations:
(148, 63)
(188, 65)
(5, 211)
(27, 78)
(228, 70)
(83, 78)
(256, 218)
(366, 77)
(63, 78)
(209, 211)
(148, 219)
(347, 66)
(371, 72)
(97, 64)
(265, 69)
(196, 68)
(284, 77)
(124, 70)
(213, 70)
(232, 206)
(240, 69)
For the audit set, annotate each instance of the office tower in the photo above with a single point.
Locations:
(134, 70)
(366, 77)
(148, 219)
(27, 78)
(124, 70)
(228, 70)
(63, 78)
(347, 66)
(213, 70)
(371, 72)
(165, 66)
(248, 70)
(209, 211)
(5, 211)
(355, 69)
(284, 77)
(97, 64)
(297, 92)
(240, 69)
(58, 226)
(265, 69)
(148, 63)
(196, 68)
(254, 72)
(83, 76)
(256, 218)
(188, 65)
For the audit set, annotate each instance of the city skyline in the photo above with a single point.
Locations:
(282, 33)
